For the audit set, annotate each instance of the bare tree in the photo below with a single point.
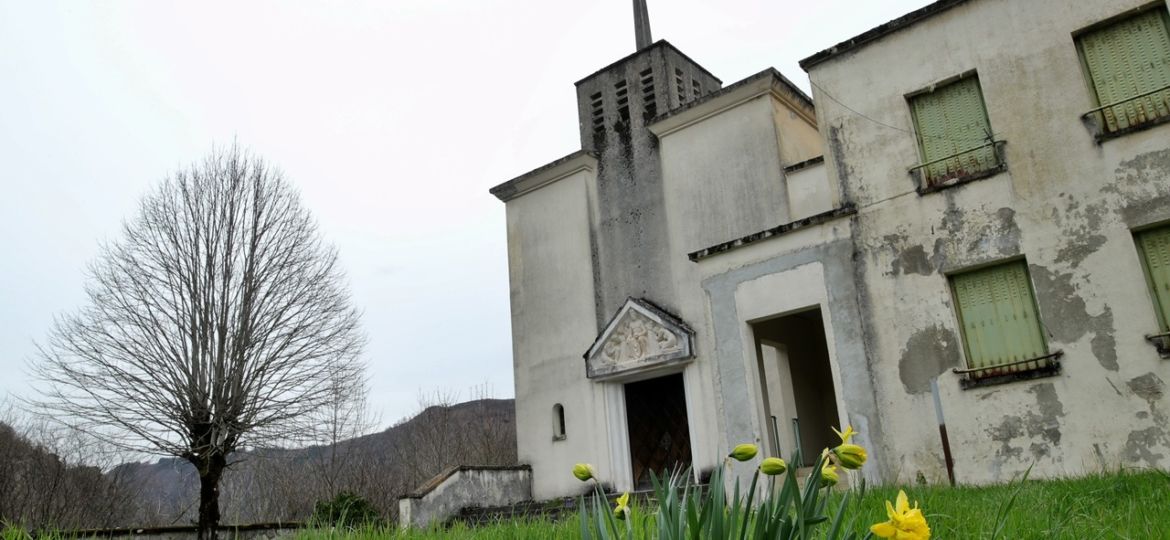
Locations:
(218, 321)
(345, 417)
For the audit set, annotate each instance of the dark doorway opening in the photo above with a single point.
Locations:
(800, 401)
(656, 412)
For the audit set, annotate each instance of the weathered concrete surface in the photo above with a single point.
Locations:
(1066, 205)
(551, 271)
(651, 187)
(631, 248)
(464, 487)
(583, 236)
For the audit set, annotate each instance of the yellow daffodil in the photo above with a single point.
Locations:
(584, 471)
(829, 476)
(622, 510)
(744, 452)
(773, 466)
(850, 456)
(905, 523)
(845, 435)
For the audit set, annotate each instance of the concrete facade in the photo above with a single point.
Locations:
(1067, 204)
(753, 219)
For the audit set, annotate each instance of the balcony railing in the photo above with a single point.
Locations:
(1119, 117)
(1047, 364)
(978, 162)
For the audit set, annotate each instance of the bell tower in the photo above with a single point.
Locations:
(614, 107)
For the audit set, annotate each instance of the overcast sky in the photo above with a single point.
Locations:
(392, 117)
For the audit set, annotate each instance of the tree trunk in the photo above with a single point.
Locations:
(210, 471)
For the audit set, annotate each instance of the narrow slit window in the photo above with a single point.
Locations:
(622, 93)
(680, 86)
(558, 422)
(649, 105)
(696, 88)
(597, 112)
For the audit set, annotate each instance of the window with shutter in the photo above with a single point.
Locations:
(1128, 67)
(1155, 250)
(1001, 330)
(954, 134)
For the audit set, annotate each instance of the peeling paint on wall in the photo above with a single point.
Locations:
(928, 354)
(844, 172)
(1066, 317)
(1148, 170)
(1011, 427)
(1041, 422)
(1140, 444)
(912, 261)
(1148, 387)
(1000, 235)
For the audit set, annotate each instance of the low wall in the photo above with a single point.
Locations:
(461, 487)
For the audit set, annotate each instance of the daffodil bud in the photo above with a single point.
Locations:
(850, 456)
(622, 510)
(773, 466)
(829, 476)
(744, 452)
(584, 471)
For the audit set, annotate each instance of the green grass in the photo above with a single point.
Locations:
(1125, 505)
(1116, 506)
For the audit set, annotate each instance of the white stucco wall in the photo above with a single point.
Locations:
(723, 176)
(1066, 204)
(722, 169)
(809, 192)
(553, 324)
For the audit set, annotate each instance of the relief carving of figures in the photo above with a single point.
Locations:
(637, 338)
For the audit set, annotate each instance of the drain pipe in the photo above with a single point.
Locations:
(942, 431)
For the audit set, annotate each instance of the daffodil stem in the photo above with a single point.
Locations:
(747, 510)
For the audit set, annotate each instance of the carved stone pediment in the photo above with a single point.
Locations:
(640, 337)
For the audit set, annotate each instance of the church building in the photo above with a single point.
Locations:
(959, 245)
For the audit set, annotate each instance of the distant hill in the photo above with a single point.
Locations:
(283, 484)
(45, 486)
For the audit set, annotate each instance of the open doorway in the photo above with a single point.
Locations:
(800, 401)
(656, 413)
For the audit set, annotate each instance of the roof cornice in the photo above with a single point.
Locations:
(767, 82)
(581, 160)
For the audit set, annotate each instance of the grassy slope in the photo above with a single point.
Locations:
(1127, 505)
(1123, 506)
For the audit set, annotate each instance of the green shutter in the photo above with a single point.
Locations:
(1126, 60)
(998, 314)
(1155, 246)
(952, 123)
